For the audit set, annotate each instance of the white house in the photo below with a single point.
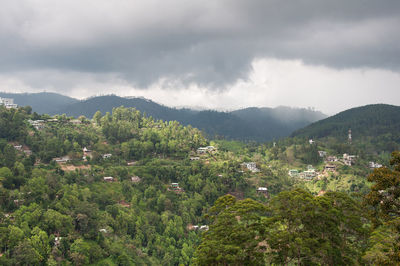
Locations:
(108, 178)
(107, 155)
(374, 165)
(293, 173)
(8, 103)
(252, 166)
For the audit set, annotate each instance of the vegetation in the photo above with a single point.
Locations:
(103, 191)
(374, 127)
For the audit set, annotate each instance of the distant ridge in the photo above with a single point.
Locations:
(375, 123)
(42, 102)
(259, 124)
(250, 124)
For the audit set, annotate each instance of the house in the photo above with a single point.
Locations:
(103, 230)
(75, 122)
(175, 188)
(8, 103)
(331, 159)
(330, 168)
(57, 240)
(108, 178)
(204, 227)
(262, 190)
(131, 163)
(63, 159)
(107, 155)
(374, 165)
(18, 147)
(322, 153)
(37, 124)
(348, 159)
(135, 179)
(311, 141)
(309, 174)
(194, 158)
(252, 166)
(203, 150)
(293, 173)
(27, 152)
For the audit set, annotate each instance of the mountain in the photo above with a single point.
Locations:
(251, 124)
(42, 102)
(277, 122)
(376, 123)
(259, 124)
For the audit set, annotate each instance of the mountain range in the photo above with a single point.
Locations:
(258, 124)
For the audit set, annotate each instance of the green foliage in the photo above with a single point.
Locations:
(384, 201)
(296, 228)
(66, 213)
(374, 127)
(235, 233)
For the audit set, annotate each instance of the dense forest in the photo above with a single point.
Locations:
(122, 188)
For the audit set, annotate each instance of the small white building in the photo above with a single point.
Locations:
(348, 159)
(252, 166)
(8, 103)
(204, 227)
(322, 153)
(331, 159)
(108, 178)
(37, 124)
(203, 150)
(107, 155)
(63, 159)
(135, 179)
(18, 147)
(374, 165)
(293, 173)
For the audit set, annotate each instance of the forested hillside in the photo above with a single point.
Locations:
(125, 189)
(377, 124)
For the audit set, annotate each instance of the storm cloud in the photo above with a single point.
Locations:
(210, 44)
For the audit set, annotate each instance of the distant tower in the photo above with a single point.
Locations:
(350, 136)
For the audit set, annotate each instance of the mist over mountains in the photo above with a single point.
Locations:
(258, 124)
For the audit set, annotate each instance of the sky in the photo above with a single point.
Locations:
(226, 54)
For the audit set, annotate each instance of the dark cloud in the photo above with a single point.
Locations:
(210, 43)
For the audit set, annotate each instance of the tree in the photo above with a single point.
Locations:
(384, 203)
(40, 242)
(235, 234)
(325, 230)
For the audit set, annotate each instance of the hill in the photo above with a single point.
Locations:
(377, 123)
(42, 102)
(250, 124)
(259, 124)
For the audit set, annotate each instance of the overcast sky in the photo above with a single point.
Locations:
(330, 55)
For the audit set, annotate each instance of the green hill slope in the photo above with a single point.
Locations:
(377, 123)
